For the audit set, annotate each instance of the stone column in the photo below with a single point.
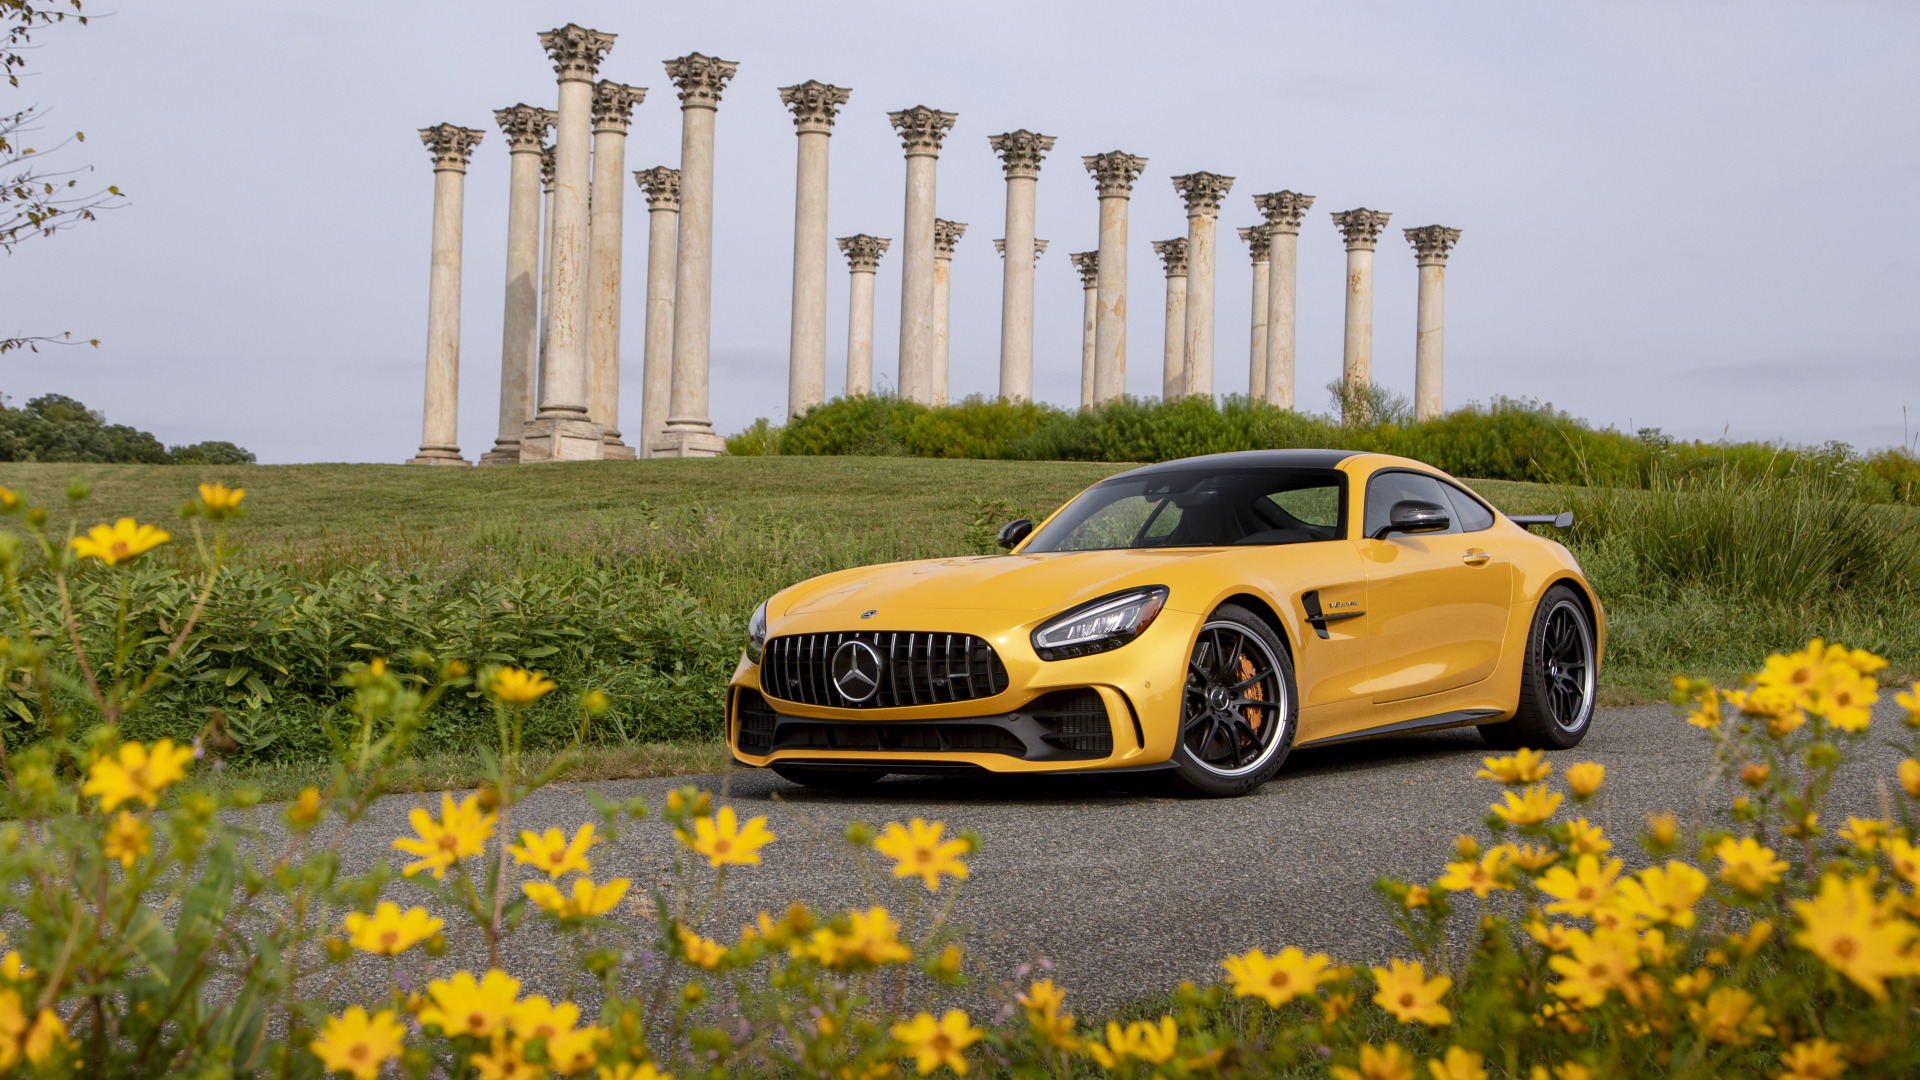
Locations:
(662, 185)
(945, 235)
(1173, 370)
(863, 261)
(1255, 237)
(526, 129)
(546, 275)
(1202, 192)
(689, 433)
(1020, 155)
(612, 111)
(451, 146)
(1361, 228)
(814, 105)
(563, 429)
(1431, 244)
(1283, 211)
(1088, 263)
(921, 132)
(1113, 174)
(1039, 249)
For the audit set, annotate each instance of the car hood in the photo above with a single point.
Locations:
(1040, 583)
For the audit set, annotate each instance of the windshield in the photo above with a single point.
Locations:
(1202, 508)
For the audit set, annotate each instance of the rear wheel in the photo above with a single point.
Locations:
(1238, 708)
(830, 777)
(1557, 680)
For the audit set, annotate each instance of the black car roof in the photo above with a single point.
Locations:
(1250, 459)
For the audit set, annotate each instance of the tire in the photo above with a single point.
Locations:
(830, 777)
(1557, 679)
(1239, 709)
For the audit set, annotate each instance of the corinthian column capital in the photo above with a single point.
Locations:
(1361, 227)
(525, 127)
(1202, 192)
(1283, 209)
(863, 252)
(699, 79)
(547, 157)
(1173, 253)
(1259, 241)
(613, 105)
(922, 130)
(662, 185)
(1432, 243)
(1039, 248)
(945, 235)
(451, 145)
(814, 104)
(576, 51)
(1114, 172)
(1020, 151)
(1088, 263)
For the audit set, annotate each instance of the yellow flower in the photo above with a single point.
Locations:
(1846, 701)
(387, 932)
(1524, 766)
(1461, 1064)
(14, 969)
(553, 853)
(504, 1061)
(1853, 934)
(134, 772)
(46, 1036)
(1905, 859)
(1530, 857)
(1278, 979)
(623, 1071)
(1692, 986)
(1391, 1063)
(917, 850)
(1866, 834)
(724, 841)
(1594, 964)
(699, 950)
(118, 543)
(128, 838)
(1706, 708)
(1585, 838)
(872, 937)
(1816, 1059)
(460, 833)
(1584, 778)
(1588, 886)
(1757, 935)
(1747, 866)
(1151, 1043)
(1730, 1015)
(569, 1049)
(1481, 877)
(219, 501)
(305, 810)
(516, 686)
(9, 501)
(356, 1043)
(1663, 896)
(934, 1043)
(586, 900)
(1798, 675)
(1042, 1001)
(1555, 936)
(1910, 775)
(462, 1006)
(1662, 829)
(1532, 807)
(1417, 896)
(1407, 993)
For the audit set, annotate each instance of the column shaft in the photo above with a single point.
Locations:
(1426, 348)
(451, 146)
(937, 359)
(807, 359)
(1110, 303)
(520, 321)
(860, 334)
(1089, 320)
(1198, 367)
(1282, 263)
(689, 433)
(656, 377)
(1360, 227)
(609, 202)
(916, 282)
(1173, 376)
(1016, 291)
(564, 386)
(1257, 353)
(546, 282)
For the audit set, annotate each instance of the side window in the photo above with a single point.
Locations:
(1468, 513)
(1313, 505)
(1387, 488)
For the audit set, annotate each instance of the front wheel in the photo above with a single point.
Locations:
(1557, 679)
(1238, 707)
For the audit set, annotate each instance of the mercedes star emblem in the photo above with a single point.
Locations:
(869, 613)
(856, 671)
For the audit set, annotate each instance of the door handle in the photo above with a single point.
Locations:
(1476, 558)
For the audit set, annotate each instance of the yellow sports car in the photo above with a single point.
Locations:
(1201, 616)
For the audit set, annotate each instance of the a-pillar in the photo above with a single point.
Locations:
(945, 235)
(814, 105)
(563, 429)
(662, 185)
(1113, 173)
(1173, 373)
(1361, 228)
(612, 111)
(863, 262)
(1283, 211)
(1202, 192)
(1088, 263)
(689, 433)
(1255, 237)
(1020, 156)
(525, 127)
(921, 132)
(1431, 244)
(451, 146)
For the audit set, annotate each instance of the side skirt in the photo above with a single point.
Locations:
(1456, 718)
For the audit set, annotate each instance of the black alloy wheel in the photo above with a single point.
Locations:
(1237, 709)
(1557, 681)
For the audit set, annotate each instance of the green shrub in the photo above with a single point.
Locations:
(54, 427)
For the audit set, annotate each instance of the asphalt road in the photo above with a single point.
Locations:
(1128, 891)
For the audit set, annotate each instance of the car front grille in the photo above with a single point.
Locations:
(757, 720)
(1075, 721)
(1065, 725)
(916, 669)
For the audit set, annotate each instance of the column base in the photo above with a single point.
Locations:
(612, 449)
(561, 438)
(438, 455)
(504, 452)
(688, 437)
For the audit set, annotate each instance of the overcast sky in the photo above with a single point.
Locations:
(1696, 216)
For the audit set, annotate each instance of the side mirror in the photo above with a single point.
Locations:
(1014, 531)
(1414, 516)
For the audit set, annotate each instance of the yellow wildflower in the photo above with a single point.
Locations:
(1584, 779)
(1277, 979)
(44, 1038)
(554, 853)
(1595, 964)
(1481, 877)
(128, 838)
(724, 841)
(504, 1060)
(918, 851)
(1417, 896)
(1460, 1064)
(1757, 935)
(1855, 935)
(133, 772)
(699, 950)
(304, 810)
(1524, 766)
(1467, 846)
(1816, 1059)
(1754, 773)
(1910, 776)
(220, 501)
(356, 1043)
(14, 969)
(387, 932)
(625, 1071)
(1846, 701)
(1531, 807)
(1555, 936)
(569, 1049)
(1730, 1015)
(462, 1005)
(935, 1043)
(586, 900)
(1390, 1063)
(1043, 1000)
(1747, 866)
(1867, 834)
(1663, 896)
(1532, 858)
(1582, 890)
(1585, 838)
(1692, 986)
(1905, 859)
(1407, 993)
(460, 833)
(1662, 829)
(517, 686)
(1706, 708)
(1797, 675)
(118, 543)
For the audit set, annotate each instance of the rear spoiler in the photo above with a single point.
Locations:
(1562, 520)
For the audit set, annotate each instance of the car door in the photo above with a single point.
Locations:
(1436, 602)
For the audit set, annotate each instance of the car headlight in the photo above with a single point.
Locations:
(757, 632)
(1100, 625)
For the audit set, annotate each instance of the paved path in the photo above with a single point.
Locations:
(1129, 891)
